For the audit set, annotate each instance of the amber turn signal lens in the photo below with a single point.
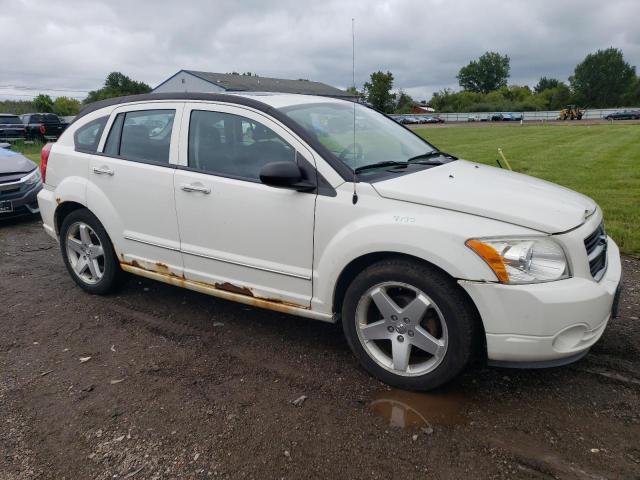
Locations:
(491, 256)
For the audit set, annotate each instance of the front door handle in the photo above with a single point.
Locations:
(103, 171)
(195, 187)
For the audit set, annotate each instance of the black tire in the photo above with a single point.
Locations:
(460, 316)
(114, 277)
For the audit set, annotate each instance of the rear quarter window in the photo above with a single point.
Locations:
(87, 137)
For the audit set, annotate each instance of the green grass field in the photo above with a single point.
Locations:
(601, 161)
(29, 149)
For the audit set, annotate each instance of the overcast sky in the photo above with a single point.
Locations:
(72, 44)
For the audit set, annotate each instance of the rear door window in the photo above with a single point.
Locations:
(141, 136)
(87, 138)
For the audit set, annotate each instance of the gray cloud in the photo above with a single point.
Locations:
(73, 44)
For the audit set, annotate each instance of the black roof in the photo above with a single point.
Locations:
(233, 82)
(150, 97)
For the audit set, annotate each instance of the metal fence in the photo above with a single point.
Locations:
(589, 114)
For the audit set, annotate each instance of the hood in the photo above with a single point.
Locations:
(493, 193)
(13, 162)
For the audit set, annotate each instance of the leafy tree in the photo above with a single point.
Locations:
(404, 102)
(486, 74)
(556, 98)
(356, 92)
(117, 85)
(545, 84)
(632, 97)
(516, 93)
(17, 107)
(43, 103)
(378, 91)
(65, 106)
(506, 99)
(602, 79)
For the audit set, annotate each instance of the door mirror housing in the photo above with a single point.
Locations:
(285, 175)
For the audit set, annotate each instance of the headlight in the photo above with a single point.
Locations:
(32, 178)
(522, 260)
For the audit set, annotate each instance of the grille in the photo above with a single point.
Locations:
(11, 187)
(596, 245)
(6, 193)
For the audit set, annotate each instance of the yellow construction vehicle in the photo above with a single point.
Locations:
(571, 112)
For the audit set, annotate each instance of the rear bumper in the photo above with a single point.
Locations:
(48, 204)
(546, 322)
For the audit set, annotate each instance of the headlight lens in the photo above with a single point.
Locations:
(522, 260)
(33, 177)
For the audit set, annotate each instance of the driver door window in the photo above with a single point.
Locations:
(233, 146)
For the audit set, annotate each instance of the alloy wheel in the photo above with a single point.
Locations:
(401, 329)
(85, 253)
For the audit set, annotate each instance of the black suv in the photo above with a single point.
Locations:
(42, 126)
(11, 127)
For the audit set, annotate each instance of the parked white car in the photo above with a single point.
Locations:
(272, 200)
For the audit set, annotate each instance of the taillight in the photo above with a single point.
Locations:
(43, 130)
(44, 158)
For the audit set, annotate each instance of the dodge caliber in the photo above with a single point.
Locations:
(329, 210)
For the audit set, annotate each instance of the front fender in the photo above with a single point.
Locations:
(435, 235)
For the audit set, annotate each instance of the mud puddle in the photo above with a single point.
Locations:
(414, 410)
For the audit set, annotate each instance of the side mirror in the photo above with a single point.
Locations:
(285, 175)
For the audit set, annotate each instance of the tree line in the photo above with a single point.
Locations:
(116, 85)
(602, 80)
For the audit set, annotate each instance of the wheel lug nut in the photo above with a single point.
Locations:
(400, 338)
(410, 332)
(406, 320)
(394, 318)
(390, 328)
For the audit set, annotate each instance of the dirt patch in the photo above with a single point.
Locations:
(183, 385)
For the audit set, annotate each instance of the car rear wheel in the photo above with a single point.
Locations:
(409, 324)
(88, 253)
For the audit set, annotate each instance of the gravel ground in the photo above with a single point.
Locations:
(159, 382)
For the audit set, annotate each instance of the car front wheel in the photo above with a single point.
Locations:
(409, 324)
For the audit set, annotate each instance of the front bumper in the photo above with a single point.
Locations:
(21, 197)
(546, 322)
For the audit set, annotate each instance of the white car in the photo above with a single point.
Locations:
(273, 200)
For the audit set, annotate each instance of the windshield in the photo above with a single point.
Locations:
(376, 139)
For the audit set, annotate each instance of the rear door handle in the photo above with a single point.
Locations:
(195, 187)
(103, 171)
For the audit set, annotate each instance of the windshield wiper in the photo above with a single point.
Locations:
(388, 163)
(432, 153)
